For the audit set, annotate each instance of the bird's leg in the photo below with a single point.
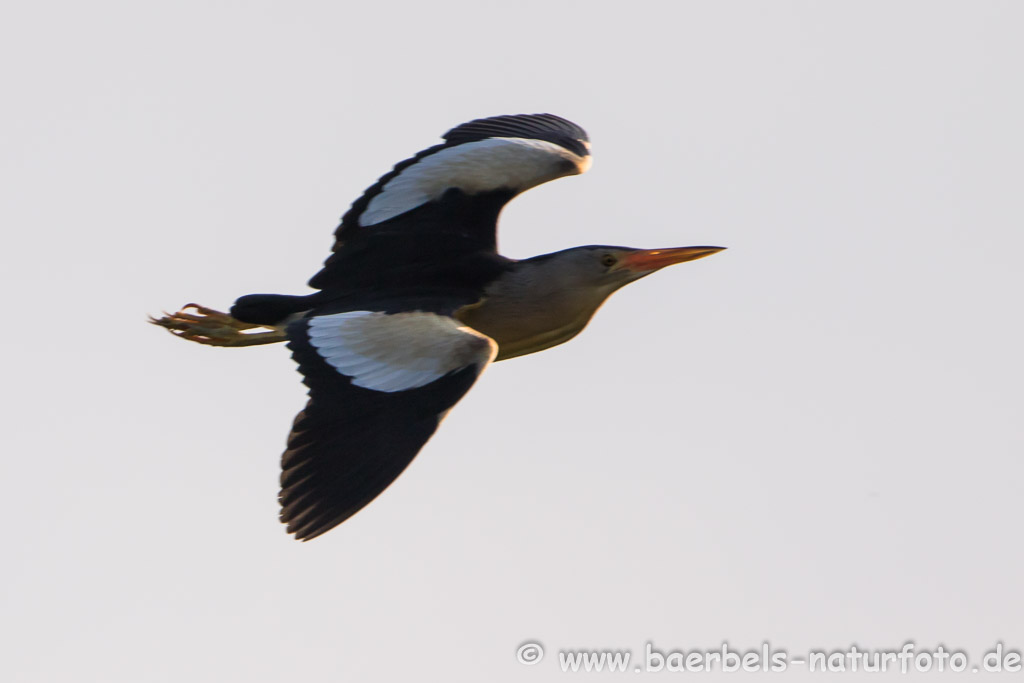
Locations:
(207, 326)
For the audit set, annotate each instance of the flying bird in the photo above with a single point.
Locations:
(414, 302)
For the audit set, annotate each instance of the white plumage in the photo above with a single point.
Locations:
(392, 352)
(495, 163)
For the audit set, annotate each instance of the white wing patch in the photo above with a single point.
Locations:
(397, 351)
(514, 163)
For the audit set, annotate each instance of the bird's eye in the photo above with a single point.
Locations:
(608, 260)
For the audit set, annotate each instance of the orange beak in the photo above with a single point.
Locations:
(649, 260)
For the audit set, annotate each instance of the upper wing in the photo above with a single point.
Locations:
(450, 194)
(379, 384)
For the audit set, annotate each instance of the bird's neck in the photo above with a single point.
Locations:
(531, 308)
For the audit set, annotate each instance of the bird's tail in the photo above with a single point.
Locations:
(270, 310)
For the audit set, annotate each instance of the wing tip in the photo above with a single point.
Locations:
(316, 523)
(548, 127)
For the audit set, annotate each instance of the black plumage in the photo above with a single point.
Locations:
(414, 302)
(350, 443)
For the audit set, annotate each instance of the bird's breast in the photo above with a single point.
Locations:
(522, 325)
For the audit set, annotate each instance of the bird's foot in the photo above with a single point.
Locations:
(207, 326)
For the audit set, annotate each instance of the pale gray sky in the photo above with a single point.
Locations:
(813, 439)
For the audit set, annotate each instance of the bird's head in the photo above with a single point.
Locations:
(546, 300)
(609, 268)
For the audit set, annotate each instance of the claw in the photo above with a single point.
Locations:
(205, 313)
(214, 328)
